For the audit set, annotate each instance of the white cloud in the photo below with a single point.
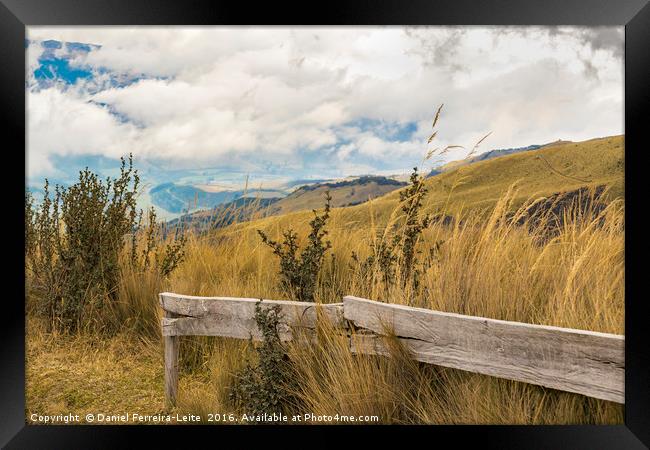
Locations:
(65, 123)
(250, 96)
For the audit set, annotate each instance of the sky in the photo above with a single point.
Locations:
(309, 102)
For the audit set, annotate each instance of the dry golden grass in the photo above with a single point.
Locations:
(485, 267)
(86, 374)
(400, 390)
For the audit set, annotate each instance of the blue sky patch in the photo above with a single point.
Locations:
(60, 69)
(55, 68)
(390, 131)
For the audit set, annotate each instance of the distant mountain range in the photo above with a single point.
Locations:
(299, 194)
(242, 209)
(178, 198)
(199, 199)
(348, 192)
(193, 190)
(558, 167)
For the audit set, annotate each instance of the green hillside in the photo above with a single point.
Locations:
(477, 186)
(344, 193)
(554, 168)
(306, 198)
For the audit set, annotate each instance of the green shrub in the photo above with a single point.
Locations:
(165, 258)
(414, 224)
(399, 251)
(264, 387)
(299, 274)
(74, 242)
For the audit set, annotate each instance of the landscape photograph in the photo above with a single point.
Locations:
(311, 225)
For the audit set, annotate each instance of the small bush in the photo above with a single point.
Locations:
(298, 275)
(411, 199)
(398, 255)
(74, 242)
(166, 258)
(263, 388)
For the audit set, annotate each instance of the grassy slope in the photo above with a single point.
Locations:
(303, 199)
(308, 199)
(598, 160)
(478, 186)
(475, 186)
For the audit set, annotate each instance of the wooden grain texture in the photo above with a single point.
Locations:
(170, 344)
(584, 362)
(235, 317)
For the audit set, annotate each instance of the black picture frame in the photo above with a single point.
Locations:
(15, 15)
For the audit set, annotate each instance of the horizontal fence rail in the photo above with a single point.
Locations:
(235, 317)
(583, 362)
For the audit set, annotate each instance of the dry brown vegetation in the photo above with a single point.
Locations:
(490, 259)
(484, 265)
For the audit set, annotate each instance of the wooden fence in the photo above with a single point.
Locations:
(583, 362)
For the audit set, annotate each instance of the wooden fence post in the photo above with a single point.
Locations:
(171, 365)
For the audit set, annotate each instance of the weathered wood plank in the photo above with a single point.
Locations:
(235, 317)
(583, 362)
(222, 326)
